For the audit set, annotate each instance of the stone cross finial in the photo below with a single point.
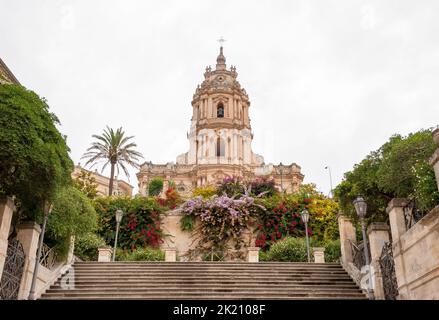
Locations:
(221, 41)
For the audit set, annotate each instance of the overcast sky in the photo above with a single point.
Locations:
(328, 81)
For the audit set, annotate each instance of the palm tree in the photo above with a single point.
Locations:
(114, 148)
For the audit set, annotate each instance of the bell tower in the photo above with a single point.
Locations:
(220, 130)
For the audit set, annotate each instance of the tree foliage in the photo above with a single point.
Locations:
(115, 149)
(33, 153)
(155, 186)
(72, 215)
(399, 169)
(86, 183)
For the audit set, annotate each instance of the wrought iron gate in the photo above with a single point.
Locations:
(388, 272)
(12, 271)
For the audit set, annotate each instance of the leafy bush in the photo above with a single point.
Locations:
(140, 226)
(33, 154)
(263, 186)
(206, 192)
(332, 251)
(171, 200)
(187, 222)
(141, 254)
(231, 186)
(155, 186)
(86, 246)
(72, 215)
(288, 249)
(398, 169)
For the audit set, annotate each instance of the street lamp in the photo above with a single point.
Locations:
(47, 210)
(330, 180)
(361, 208)
(119, 215)
(305, 218)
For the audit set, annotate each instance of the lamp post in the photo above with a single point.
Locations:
(330, 180)
(119, 215)
(361, 209)
(305, 218)
(47, 210)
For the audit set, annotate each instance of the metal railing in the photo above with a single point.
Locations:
(48, 257)
(358, 257)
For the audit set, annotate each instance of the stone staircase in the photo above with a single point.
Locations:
(205, 280)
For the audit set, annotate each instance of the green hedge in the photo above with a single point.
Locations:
(86, 246)
(141, 254)
(292, 249)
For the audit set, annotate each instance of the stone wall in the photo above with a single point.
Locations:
(416, 254)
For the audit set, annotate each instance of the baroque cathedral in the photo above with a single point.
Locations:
(220, 140)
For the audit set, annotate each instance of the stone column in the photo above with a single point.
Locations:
(70, 254)
(28, 235)
(434, 160)
(378, 234)
(319, 255)
(104, 254)
(6, 210)
(170, 254)
(347, 235)
(395, 210)
(253, 254)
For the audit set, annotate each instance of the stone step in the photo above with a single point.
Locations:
(200, 278)
(209, 273)
(206, 297)
(177, 285)
(206, 280)
(133, 282)
(202, 294)
(207, 263)
(254, 289)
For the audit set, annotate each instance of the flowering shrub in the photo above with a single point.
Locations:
(204, 191)
(172, 198)
(283, 220)
(231, 186)
(264, 186)
(140, 225)
(223, 220)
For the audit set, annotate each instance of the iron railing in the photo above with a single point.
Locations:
(359, 259)
(412, 214)
(48, 257)
(387, 266)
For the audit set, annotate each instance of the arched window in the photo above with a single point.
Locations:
(220, 110)
(220, 147)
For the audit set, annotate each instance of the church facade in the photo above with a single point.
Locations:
(220, 140)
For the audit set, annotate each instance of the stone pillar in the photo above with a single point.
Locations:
(434, 160)
(395, 210)
(170, 254)
(253, 254)
(378, 234)
(70, 254)
(105, 254)
(319, 254)
(6, 210)
(347, 235)
(28, 235)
